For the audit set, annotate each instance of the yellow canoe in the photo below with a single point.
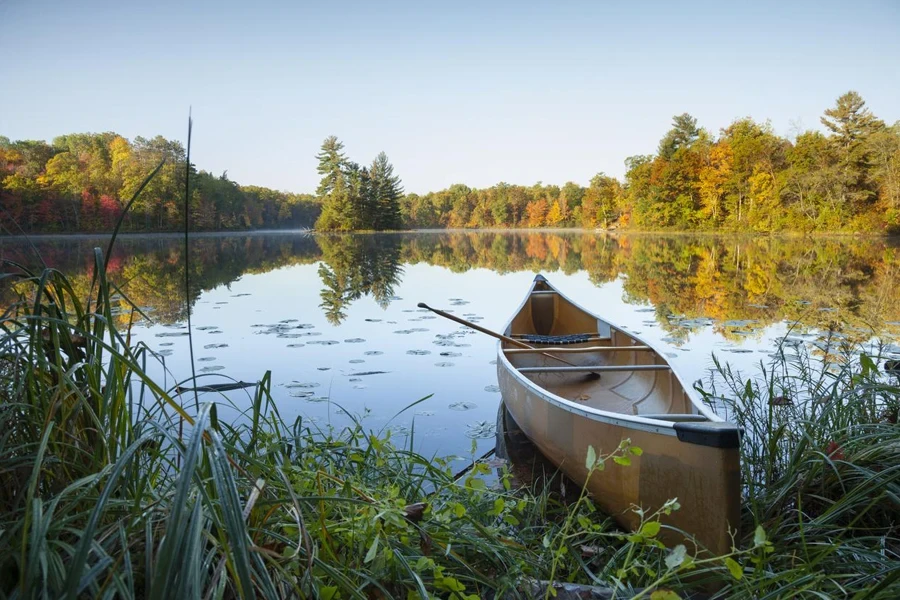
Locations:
(688, 452)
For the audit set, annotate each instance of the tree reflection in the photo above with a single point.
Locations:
(354, 266)
(848, 283)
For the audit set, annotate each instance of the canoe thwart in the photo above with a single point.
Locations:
(676, 417)
(597, 369)
(575, 338)
(718, 434)
(579, 350)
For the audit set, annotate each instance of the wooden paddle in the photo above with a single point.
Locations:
(499, 336)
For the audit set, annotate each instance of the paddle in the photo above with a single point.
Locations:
(499, 336)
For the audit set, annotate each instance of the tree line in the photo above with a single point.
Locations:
(82, 182)
(746, 178)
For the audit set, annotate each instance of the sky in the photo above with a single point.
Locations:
(453, 91)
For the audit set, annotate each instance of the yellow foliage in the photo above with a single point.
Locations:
(554, 215)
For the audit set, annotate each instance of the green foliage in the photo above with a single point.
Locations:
(355, 198)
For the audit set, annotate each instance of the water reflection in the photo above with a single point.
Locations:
(355, 266)
(738, 286)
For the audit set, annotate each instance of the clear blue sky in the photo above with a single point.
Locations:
(453, 91)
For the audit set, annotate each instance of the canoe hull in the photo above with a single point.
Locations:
(701, 471)
(705, 480)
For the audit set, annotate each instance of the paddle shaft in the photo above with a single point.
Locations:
(493, 334)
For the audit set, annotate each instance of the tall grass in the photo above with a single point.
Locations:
(821, 470)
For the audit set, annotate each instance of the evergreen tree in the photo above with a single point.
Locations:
(852, 125)
(684, 131)
(338, 210)
(386, 192)
(331, 164)
(851, 122)
(360, 192)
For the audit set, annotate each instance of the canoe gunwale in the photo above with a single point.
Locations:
(615, 418)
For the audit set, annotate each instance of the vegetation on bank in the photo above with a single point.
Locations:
(111, 486)
(746, 178)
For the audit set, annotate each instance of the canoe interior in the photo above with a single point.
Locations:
(657, 392)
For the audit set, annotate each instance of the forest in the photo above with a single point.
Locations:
(747, 178)
(845, 178)
(82, 182)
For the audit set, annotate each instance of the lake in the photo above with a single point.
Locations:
(334, 317)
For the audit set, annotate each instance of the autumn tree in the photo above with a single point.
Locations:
(600, 203)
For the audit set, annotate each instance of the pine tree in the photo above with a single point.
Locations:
(338, 211)
(850, 121)
(332, 162)
(852, 124)
(684, 131)
(386, 192)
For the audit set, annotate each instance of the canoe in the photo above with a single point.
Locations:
(620, 387)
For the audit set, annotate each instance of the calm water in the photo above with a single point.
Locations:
(335, 319)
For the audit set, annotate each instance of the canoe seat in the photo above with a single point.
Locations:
(574, 338)
(678, 418)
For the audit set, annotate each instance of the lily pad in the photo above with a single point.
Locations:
(418, 352)
(481, 430)
(354, 341)
(463, 406)
(373, 353)
(211, 369)
(211, 346)
(443, 364)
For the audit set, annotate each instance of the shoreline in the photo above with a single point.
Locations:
(556, 230)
